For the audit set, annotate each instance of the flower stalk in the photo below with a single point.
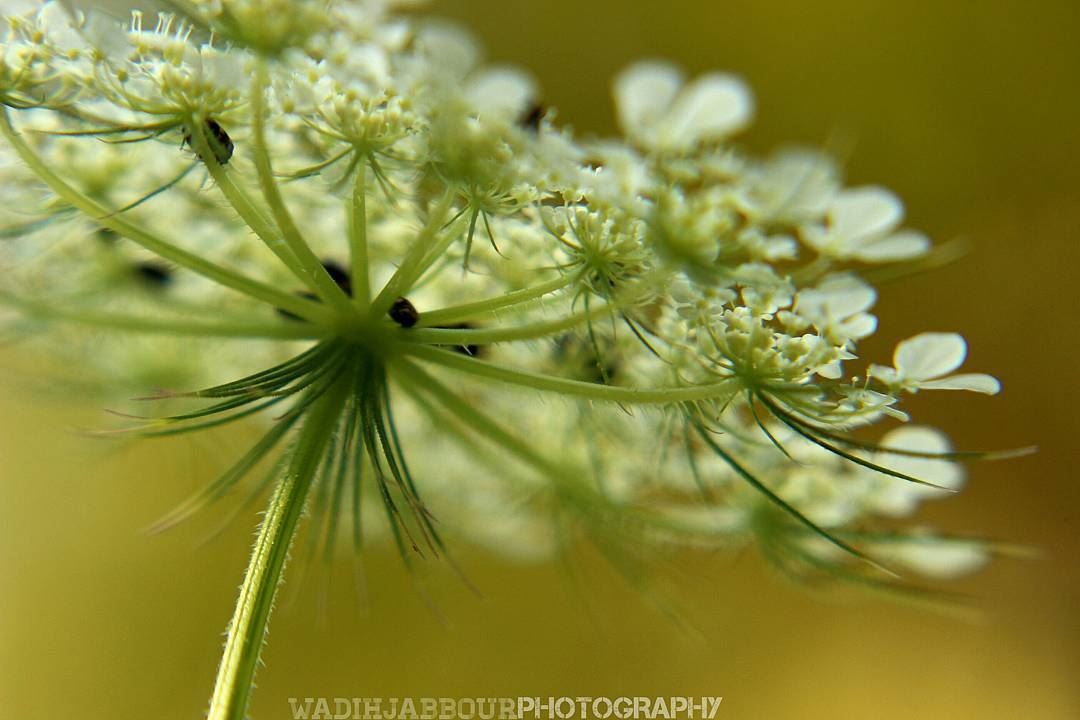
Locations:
(248, 628)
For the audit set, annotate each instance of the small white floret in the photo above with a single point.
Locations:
(862, 225)
(924, 361)
(659, 113)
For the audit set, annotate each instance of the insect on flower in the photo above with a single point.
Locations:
(404, 313)
(532, 118)
(220, 143)
(154, 275)
(470, 349)
(339, 275)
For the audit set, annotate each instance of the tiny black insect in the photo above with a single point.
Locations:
(337, 273)
(586, 361)
(403, 313)
(106, 235)
(531, 118)
(470, 350)
(220, 143)
(153, 274)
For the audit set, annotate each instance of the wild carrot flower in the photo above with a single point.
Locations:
(461, 320)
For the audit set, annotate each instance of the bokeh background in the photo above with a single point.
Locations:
(969, 111)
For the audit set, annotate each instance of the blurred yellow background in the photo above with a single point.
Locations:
(969, 111)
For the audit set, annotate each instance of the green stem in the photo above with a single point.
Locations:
(324, 285)
(487, 336)
(419, 257)
(163, 326)
(481, 423)
(106, 218)
(239, 200)
(246, 208)
(247, 630)
(578, 388)
(358, 240)
(456, 313)
(565, 478)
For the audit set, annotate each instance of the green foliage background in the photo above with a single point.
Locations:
(969, 111)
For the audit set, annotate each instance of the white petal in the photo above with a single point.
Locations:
(894, 501)
(707, 519)
(885, 374)
(976, 382)
(929, 355)
(644, 93)
(898, 246)
(801, 184)
(502, 91)
(13, 8)
(223, 69)
(371, 63)
(865, 211)
(832, 371)
(781, 247)
(943, 473)
(858, 327)
(105, 34)
(61, 27)
(837, 297)
(816, 236)
(449, 48)
(936, 559)
(917, 438)
(712, 107)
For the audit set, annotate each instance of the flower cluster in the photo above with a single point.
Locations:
(478, 324)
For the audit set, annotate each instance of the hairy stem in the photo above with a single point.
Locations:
(577, 388)
(252, 215)
(419, 256)
(247, 630)
(163, 326)
(486, 427)
(358, 240)
(324, 285)
(457, 313)
(486, 336)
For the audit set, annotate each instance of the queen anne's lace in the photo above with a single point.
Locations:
(366, 151)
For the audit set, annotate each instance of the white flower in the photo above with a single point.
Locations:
(689, 229)
(862, 226)
(937, 558)
(452, 66)
(13, 8)
(925, 361)
(503, 91)
(164, 71)
(658, 113)
(837, 307)
(793, 187)
(620, 178)
(770, 248)
(763, 289)
(448, 50)
(698, 303)
(896, 497)
(701, 259)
